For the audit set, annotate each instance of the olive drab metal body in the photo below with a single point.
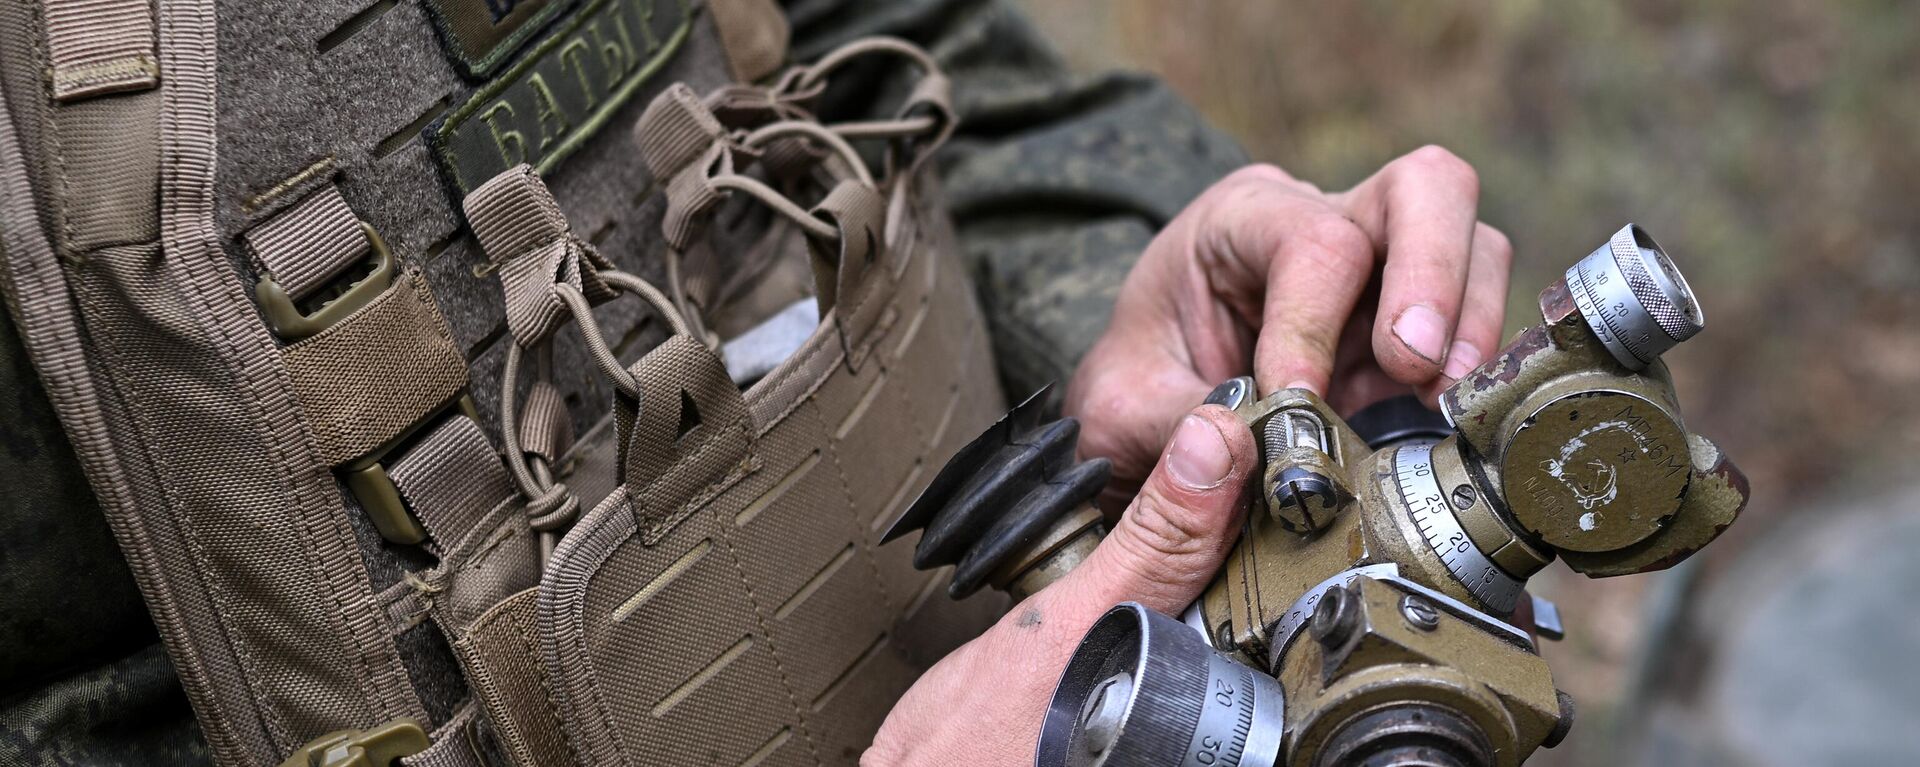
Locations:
(1370, 611)
(397, 343)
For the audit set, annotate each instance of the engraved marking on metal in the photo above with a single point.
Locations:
(1464, 611)
(1267, 724)
(665, 578)
(1654, 300)
(1413, 472)
(1609, 307)
(1295, 618)
(1235, 724)
(699, 679)
(766, 499)
(813, 584)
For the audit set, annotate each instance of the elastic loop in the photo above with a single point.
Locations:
(555, 509)
(817, 132)
(775, 200)
(596, 341)
(840, 56)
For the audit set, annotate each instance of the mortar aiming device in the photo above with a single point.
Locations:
(1372, 611)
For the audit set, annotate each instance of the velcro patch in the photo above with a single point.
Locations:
(480, 35)
(561, 92)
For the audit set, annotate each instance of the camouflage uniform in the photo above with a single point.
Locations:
(1056, 181)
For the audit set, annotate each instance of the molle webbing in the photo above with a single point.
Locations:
(754, 34)
(730, 591)
(367, 380)
(254, 307)
(97, 47)
(307, 245)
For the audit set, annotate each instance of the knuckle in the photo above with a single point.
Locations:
(1257, 172)
(1438, 163)
(1163, 531)
(1336, 239)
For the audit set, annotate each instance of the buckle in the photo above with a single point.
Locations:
(290, 323)
(381, 746)
(367, 478)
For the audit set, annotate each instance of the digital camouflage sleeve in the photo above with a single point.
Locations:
(1057, 182)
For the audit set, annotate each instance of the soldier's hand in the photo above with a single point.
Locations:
(1393, 285)
(983, 704)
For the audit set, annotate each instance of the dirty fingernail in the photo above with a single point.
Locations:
(1198, 457)
(1424, 331)
(1304, 384)
(1462, 359)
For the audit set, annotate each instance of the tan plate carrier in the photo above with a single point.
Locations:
(723, 601)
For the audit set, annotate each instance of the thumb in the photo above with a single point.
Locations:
(1174, 536)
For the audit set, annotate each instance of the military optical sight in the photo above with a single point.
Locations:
(1374, 609)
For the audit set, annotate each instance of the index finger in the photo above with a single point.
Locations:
(1306, 263)
(1423, 207)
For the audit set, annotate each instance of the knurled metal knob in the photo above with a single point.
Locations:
(1633, 298)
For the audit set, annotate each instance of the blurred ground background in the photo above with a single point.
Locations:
(1774, 147)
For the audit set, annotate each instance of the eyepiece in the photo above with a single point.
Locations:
(1146, 690)
(1633, 298)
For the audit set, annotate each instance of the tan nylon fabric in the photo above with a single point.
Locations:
(375, 374)
(521, 227)
(754, 34)
(545, 429)
(859, 214)
(104, 178)
(498, 653)
(310, 243)
(220, 528)
(735, 596)
(96, 47)
(496, 559)
(675, 131)
(450, 479)
(455, 744)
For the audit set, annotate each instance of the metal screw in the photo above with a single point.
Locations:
(1419, 613)
(1334, 618)
(1463, 496)
(1106, 708)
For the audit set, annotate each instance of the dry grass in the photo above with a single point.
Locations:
(1774, 147)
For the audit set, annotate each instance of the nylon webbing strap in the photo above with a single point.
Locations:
(499, 657)
(451, 479)
(308, 244)
(374, 375)
(96, 47)
(684, 145)
(521, 228)
(676, 130)
(859, 213)
(455, 744)
(498, 558)
(546, 430)
(754, 34)
(669, 458)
